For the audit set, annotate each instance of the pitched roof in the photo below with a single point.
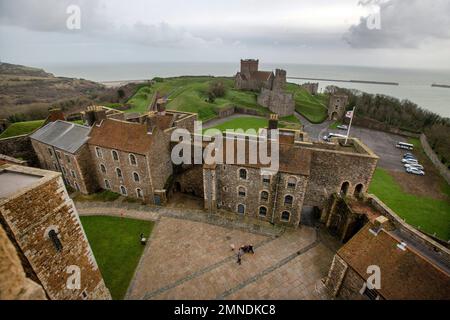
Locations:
(121, 135)
(63, 135)
(292, 159)
(261, 75)
(404, 274)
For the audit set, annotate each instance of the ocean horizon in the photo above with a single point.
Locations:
(414, 84)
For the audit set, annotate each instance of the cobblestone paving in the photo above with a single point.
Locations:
(202, 265)
(188, 257)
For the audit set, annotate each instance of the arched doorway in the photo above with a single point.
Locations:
(344, 189)
(358, 191)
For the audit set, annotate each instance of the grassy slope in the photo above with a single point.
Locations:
(190, 94)
(433, 216)
(116, 246)
(20, 128)
(313, 108)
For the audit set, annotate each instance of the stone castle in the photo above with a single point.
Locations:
(134, 159)
(337, 106)
(269, 85)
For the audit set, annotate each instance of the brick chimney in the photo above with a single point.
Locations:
(273, 122)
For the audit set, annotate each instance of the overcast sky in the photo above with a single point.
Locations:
(413, 34)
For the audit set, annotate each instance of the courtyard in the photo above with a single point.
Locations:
(193, 260)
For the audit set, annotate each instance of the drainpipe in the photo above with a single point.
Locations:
(276, 198)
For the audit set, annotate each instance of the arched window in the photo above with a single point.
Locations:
(123, 190)
(77, 187)
(358, 190)
(266, 179)
(115, 155)
(241, 209)
(139, 193)
(133, 160)
(292, 183)
(136, 177)
(119, 173)
(344, 188)
(243, 174)
(98, 151)
(264, 196)
(103, 168)
(285, 216)
(262, 211)
(242, 192)
(288, 200)
(107, 185)
(55, 240)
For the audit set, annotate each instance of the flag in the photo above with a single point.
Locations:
(349, 114)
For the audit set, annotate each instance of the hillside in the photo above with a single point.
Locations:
(190, 94)
(27, 93)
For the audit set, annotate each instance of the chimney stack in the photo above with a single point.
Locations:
(273, 122)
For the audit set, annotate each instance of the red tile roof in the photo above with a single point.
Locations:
(121, 135)
(404, 274)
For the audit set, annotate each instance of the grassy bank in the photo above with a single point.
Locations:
(190, 94)
(117, 249)
(431, 215)
(21, 128)
(255, 123)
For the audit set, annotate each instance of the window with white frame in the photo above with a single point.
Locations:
(136, 177)
(98, 152)
(123, 190)
(119, 173)
(133, 160)
(115, 155)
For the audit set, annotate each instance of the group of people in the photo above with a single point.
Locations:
(243, 250)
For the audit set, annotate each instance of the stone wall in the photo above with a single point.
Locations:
(76, 168)
(31, 215)
(127, 180)
(278, 102)
(228, 198)
(190, 180)
(331, 169)
(19, 147)
(443, 170)
(14, 283)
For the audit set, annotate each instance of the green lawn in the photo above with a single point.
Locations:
(313, 108)
(431, 215)
(190, 94)
(20, 128)
(117, 249)
(244, 123)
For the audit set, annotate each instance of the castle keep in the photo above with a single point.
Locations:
(42, 224)
(269, 85)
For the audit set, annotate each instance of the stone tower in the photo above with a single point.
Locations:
(337, 106)
(280, 80)
(43, 224)
(249, 66)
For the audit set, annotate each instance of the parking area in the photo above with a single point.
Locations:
(384, 145)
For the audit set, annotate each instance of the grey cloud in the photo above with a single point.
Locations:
(404, 24)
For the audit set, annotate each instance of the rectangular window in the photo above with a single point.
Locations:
(58, 155)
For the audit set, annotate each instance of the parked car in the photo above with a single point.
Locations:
(342, 127)
(408, 154)
(415, 171)
(333, 135)
(410, 161)
(415, 166)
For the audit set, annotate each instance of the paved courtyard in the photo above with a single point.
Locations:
(193, 260)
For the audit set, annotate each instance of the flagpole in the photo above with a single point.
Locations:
(350, 125)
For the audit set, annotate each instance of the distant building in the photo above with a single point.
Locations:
(42, 222)
(269, 85)
(312, 88)
(337, 106)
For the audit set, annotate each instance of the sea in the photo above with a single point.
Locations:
(414, 84)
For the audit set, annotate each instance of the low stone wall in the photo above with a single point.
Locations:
(19, 147)
(410, 232)
(443, 170)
